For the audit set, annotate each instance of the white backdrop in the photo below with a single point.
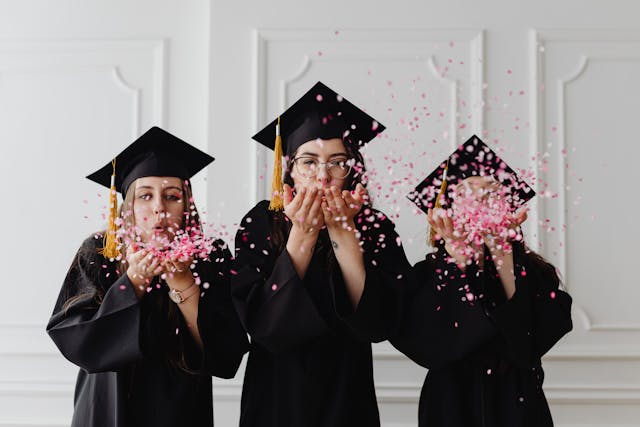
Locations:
(552, 85)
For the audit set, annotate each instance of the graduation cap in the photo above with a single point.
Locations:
(320, 113)
(473, 158)
(155, 153)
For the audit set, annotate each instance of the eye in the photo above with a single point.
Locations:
(173, 197)
(309, 162)
(145, 196)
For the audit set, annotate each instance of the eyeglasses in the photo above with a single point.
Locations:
(310, 166)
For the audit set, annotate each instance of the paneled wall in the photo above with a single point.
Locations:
(553, 86)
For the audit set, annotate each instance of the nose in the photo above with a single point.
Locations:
(323, 176)
(159, 207)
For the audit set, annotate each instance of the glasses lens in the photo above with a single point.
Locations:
(339, 168)
(307, 166)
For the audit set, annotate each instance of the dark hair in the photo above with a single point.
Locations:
(281, 224)
(537, 261)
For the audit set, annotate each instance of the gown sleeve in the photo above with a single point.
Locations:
(224, 340)
(537, 315)
(387, 277)
(96, 321)
(274, 304)
(442, 323)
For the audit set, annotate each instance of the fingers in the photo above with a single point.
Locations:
(295, 204)
(361, 194)
(288, 195)
(144, 263)
(521, 217)
(448, 226)
(332, 205)
(154, 267)
(309, 198)
(316, 215)
(305, 209)
(351, 200)
(441, 223)
(135, 256)
(328, 207)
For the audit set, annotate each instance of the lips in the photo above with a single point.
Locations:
(159, 228)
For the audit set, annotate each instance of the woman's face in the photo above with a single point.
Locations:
(158, 207)
(321, 163)
(476, 188)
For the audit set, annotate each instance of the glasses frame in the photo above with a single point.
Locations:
(294, 163)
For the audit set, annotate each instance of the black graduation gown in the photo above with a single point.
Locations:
(121, 344)
(310, 360)
(483, 352)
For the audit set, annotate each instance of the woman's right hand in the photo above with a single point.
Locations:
(456, 245)
(142, 267)
(304, 210)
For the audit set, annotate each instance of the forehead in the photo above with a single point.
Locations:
(478, 181)
(159, 181)
(323, 146)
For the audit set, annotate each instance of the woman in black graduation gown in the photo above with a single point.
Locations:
(147, 332)
(483, 314)
(315, 284)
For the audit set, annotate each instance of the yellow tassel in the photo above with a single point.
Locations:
(276, 203)
(110, 249)
(441, 193)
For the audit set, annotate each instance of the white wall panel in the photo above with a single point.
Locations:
(550, 84)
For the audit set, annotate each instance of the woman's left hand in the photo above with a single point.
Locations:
(178, 270)
(494, 243)
(340, 208)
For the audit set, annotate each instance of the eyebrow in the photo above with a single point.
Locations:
(306, 153)
(148, 187)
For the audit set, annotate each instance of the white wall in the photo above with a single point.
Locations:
(78, 79)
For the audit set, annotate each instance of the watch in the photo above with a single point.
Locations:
(180, 296)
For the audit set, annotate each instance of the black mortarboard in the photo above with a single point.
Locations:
(473, 158)
(320, 113)
(155, 153)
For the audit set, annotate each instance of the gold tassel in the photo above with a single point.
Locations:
(441, 193)
(110, 249)
(276, 203)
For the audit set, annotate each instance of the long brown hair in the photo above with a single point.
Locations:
(171, 341)
(535, 259)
